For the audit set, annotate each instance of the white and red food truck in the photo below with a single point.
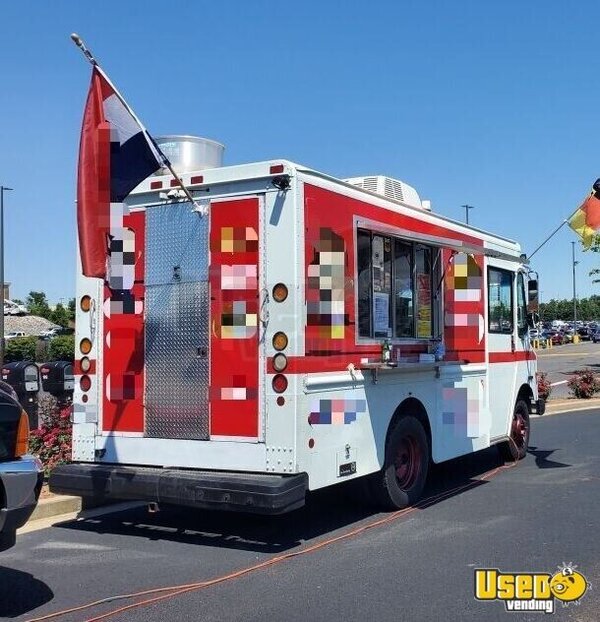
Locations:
(305, 331)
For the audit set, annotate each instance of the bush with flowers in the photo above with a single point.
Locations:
(584, 383)
(543, 385)
(51, 441)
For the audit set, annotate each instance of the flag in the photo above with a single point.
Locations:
(586, 220)
(115, 155)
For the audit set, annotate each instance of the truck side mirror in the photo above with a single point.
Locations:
(533, 319)
(533, 296)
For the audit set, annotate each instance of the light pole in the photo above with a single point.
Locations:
(2, 342)
(574, 288)
(467, 208)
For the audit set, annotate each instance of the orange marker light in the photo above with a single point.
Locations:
(85, 303)
(280, 341)
(280, 292)
(85, 345)
(22, 435)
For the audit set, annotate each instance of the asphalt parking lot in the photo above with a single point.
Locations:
(418, 565)
(560, 362)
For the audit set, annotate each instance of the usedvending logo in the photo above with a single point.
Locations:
(531, 591)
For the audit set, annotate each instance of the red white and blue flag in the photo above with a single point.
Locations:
(116, 153)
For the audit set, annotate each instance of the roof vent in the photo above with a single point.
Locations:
(391, 189)
(190, 153)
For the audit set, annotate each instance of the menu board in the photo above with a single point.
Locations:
(423, 305)
(381, 313)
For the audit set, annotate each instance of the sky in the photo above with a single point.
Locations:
(491, 104)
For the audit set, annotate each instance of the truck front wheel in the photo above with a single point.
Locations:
(516, 447)
(402, 478)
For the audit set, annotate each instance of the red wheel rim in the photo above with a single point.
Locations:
(407, 462)
(519, 430)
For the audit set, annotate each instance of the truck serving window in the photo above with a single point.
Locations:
(500, 300)
(394, 287)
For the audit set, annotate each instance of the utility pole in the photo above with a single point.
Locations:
(467, 208)
(574, 287)
(2, 342)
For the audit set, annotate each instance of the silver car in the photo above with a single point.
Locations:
(21, 475)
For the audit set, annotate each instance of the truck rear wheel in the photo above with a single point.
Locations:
(402, 478)
(516, 447)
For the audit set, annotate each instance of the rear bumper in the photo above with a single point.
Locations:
(220, 490)
(20, 486)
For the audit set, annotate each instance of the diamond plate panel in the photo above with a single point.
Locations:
(177, 337)
(176, 245)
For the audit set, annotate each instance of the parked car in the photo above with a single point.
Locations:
(14, 308)
(583, 333)
(14, 335)
(21, 475)
(554, 336)
(596, 335)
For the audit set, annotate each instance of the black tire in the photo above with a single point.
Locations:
(7, 539)
(516, 447)
(402, 478)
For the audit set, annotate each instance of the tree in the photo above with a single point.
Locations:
(595, 248)
(71, 309)
(37, 304)
(62, 348)
(60, 316)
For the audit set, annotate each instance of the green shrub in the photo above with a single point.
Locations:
(20, 349)
(62, 348)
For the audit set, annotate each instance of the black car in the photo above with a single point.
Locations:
(21, 475)
(584, 334)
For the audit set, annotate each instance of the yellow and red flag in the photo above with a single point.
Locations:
(586, 220)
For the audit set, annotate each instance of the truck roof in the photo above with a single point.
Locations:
(197, 181)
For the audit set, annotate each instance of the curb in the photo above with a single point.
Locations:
(571, 405)
(53, 519)
(55, 505)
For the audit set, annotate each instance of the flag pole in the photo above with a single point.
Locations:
(562, 224)
(78, 41)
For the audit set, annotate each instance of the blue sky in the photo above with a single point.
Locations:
(493, 104)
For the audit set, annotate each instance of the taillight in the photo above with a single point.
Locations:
(280, 383)
(22, 436)
(279, 361)
(276, 168)
(85, 303)
(85, 383)
(86, 364)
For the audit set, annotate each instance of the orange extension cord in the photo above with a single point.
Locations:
(176, 590)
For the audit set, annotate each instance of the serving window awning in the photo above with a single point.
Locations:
(459, 246)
